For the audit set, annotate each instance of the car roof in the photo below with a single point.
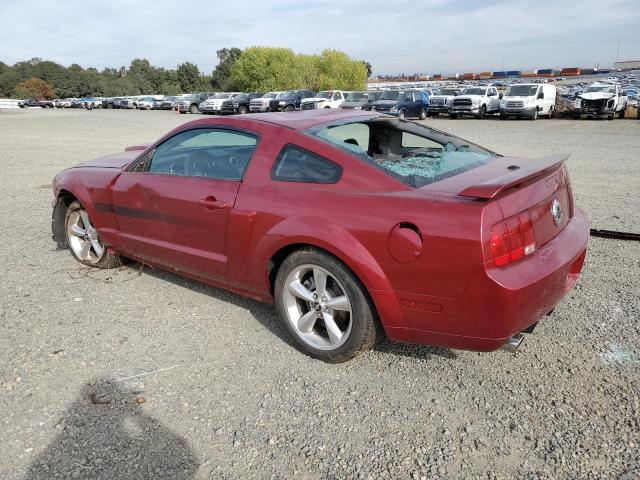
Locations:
(308, 118)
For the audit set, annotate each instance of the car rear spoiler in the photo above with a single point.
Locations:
(491, 188)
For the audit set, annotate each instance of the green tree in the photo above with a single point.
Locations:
(264, 69)
(221, 77)
(188, 76)
(8, 80)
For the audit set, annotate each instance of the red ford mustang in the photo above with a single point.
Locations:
(352, 223)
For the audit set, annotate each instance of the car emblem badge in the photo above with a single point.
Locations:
(556, 212)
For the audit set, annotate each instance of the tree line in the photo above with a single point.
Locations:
(253, 69)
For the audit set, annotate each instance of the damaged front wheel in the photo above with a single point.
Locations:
(83, 239)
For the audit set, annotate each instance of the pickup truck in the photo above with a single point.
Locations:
(190, 103)
(32, 102)
(441, 101)
(476, 101)
(325, 99)
(290, 100)
(262, 104)
(601, 100)
(239, 103)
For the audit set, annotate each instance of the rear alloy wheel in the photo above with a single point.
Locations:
(83, 239)
(324, 307)
(193, 108)
(423, 114)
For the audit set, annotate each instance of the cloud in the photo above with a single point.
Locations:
(393, 35)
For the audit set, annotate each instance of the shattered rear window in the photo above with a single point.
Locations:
(412, 153)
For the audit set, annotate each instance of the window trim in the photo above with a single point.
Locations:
(340, 169)
(152, 148)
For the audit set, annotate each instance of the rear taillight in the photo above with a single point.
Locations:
(512, 239)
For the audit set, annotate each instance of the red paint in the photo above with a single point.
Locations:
(440, 287)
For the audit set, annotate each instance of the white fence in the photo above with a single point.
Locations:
(8, 103)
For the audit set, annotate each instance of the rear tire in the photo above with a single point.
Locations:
(83, 240)
(193, 108)
(303, 303)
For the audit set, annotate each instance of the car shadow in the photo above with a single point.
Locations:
(268, 318)
(265, 314)
(105, 434)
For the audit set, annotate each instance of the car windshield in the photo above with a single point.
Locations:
(391, 95)
(270, 95)
(601, 88)
(521, 90)
(447, 91)
(220, 96)
(474, 91)
(356, 97)
(290, 93)
(412, 153)
(324, 95)
(240, 96)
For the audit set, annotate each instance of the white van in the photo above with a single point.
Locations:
(528, 100)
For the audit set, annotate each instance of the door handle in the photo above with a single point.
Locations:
(211, 204)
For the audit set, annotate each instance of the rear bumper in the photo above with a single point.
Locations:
(497, 302)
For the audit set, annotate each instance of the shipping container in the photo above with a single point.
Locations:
(529, 74)
(469, 76)
(570, 72)
(545, 71)
(514, 73)
(437, 76)
(499, 74)
(587, 71)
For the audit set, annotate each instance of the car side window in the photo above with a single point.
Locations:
(295, 164)
(410, 140)
(205, 153)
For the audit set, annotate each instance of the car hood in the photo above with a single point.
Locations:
(596, 95)
(471, 97)
(118, 160)
(445, 97)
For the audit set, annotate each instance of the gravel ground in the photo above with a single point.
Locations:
(234, 399)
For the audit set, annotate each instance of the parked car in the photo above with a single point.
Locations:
(409, 103)
(476, 101)
(238, 103)
(441, 101)
(325, 99)
(167, 103)
(127, 103)
(466, 249)
(290, 100)
(83, 102)
(261, 104)
(213, 104)
(601, 100)
(359, 100)
(190, 103)
(387, 100)
(528, 100)
(33, 102)
(62, 103)
(146, 103)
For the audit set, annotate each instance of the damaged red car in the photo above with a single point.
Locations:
(354, 224)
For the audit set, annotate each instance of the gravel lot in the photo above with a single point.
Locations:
(236, 400)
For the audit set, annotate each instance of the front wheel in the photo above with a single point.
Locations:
(193, 108)
(621, 113)
(243, 110)
(83, 239)
(423, 114)
(289, 108)
(401, 114)
(324, 307)
(534, 115)
(482, 111)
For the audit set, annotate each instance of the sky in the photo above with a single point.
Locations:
(395, 36)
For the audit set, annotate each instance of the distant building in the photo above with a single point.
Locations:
(627, 65)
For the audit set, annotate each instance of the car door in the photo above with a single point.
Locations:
(173, 205)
